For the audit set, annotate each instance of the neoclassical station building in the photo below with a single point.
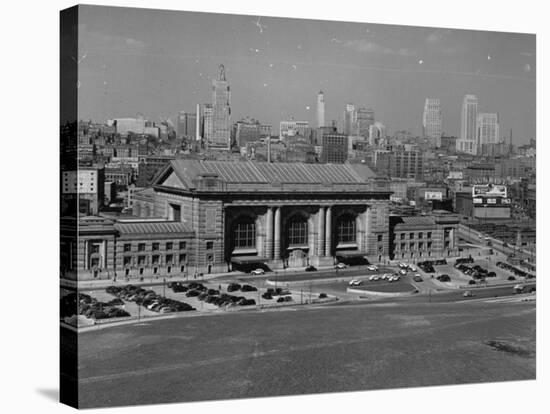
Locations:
(213, 216)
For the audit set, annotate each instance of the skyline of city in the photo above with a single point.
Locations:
(267, 86)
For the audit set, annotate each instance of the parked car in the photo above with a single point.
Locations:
(467, 294)
(371, 278)
(258, 272)
(417, 278)
(248, 288)
(471, 282)
(355, 282)
(340, 266)
(311, 268)
(232, 287)
(403, 272)
(510, 278)
(412, 268)
(374, 268)
(267, 295)
(322, 295)
(444, 278)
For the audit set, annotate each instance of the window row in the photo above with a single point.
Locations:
(141, 247)
(414, 246)
(154, 260)
(420, 235)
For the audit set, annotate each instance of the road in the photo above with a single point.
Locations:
(318, 349)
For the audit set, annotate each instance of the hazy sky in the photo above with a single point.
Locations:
(157, 63)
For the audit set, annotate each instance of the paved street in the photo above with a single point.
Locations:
(322, 349)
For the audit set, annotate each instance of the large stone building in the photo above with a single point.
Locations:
(424, 237)
(236, 214)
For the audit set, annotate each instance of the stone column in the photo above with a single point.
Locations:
(277, 236)
(269, 233)
(328, 232)
(321, 232)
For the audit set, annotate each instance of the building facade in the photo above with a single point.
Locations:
(487, 129)
(421, 238)
(432, 121)
(468, 126)
(221, 112)
(335, 148)
(320, 110)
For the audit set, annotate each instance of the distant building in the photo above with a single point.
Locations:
(292, 128)
(186, 125)
(432, 121)
(484, 202)
(320, 110)
(208, 126)
(365, 118)
(468, 128)
(400, 163)
(87, 185)
(221, 112)
(480, 172)
(350, 120)
(377, 132)
(335, 148)
(125, 125)
(520, 167)
(247, 130)
(487, 130)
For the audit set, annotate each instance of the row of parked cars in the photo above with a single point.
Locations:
(515, 270)
(83, 304)
(477, 272)
(149, 299)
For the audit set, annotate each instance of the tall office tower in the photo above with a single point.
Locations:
(207, 114)
(488, 129)
(320, 110)
(350, 119)
(468, 128)
(221, 112)
(186, 124)
(365, 118)
(377, 132)
(431, 121)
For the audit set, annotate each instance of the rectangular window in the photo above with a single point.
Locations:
(411, 235)
(127, 260)
(402, 236)
(297, 233)
(447, 244)
(420, 245)
(429, 235)
(169, 246)
(156, 246)
(155, 259)
(183, 258)
(127, 247)
(210, 220)
(380, 237)
(429, 245)
(245, 235)
(183, 245)
(95, 248)
(141, 247)
(169, 259)
(420, 235)
(411, 246)
(141, 260)
(209, 245)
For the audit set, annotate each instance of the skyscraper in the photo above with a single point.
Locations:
(431, 121)
(365, 118)
(221, 112)
(350, 119)
(487, 129)
(207, 115)
(320, 110)
(468, 129)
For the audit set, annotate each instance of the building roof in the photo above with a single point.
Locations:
(256, 176)
(165, 227)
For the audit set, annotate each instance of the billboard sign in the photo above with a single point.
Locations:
(433, 195)
(489, 190)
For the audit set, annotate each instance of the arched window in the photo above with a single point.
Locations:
(297, 231)
(346, 230)
(245, 235)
